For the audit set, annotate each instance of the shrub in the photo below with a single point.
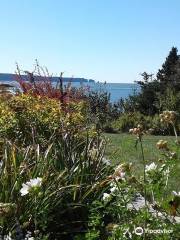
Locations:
(101, 110)
(128, 120)
(151, 124)
(27, 119)
(7, 119)
(40, 83)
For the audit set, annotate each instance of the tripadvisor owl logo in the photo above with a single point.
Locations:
(140, 231)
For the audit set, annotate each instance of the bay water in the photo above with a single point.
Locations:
(116, 90)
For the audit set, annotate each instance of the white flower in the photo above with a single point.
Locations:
(33, 183)
(36, 182)
(106, 197)
(176, 193)
(113, 189)
(151, 167)
(24, 190)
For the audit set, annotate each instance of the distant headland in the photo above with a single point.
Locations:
(9, 77)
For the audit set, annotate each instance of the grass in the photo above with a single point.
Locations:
(122, 148)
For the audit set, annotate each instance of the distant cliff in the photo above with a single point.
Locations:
(9, 77)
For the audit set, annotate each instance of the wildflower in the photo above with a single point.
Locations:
(33, 184)
(114, 187)
(168, 116)
(137, 131)
(131, 130)
(106, 197)
(151, 167)
(161, 144)
(119, 172)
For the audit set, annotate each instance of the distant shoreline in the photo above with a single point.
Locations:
(116, 90)
(10, 77)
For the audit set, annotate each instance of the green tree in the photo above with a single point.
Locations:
(169, 75)
(155, 91)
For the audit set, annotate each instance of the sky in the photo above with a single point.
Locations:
(104, 40)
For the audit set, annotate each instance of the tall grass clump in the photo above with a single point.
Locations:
(57, 206)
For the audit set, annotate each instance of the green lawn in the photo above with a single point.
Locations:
(121, 148)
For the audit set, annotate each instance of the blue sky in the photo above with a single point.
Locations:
(106, 40)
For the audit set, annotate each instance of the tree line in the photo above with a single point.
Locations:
(159, 92)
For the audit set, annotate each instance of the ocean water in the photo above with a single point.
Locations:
(121, 90)
(116, 90)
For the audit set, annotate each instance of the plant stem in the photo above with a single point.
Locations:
(167, 178)
(144, 171)
(35, 215)
(175, 132)
(144, 176)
